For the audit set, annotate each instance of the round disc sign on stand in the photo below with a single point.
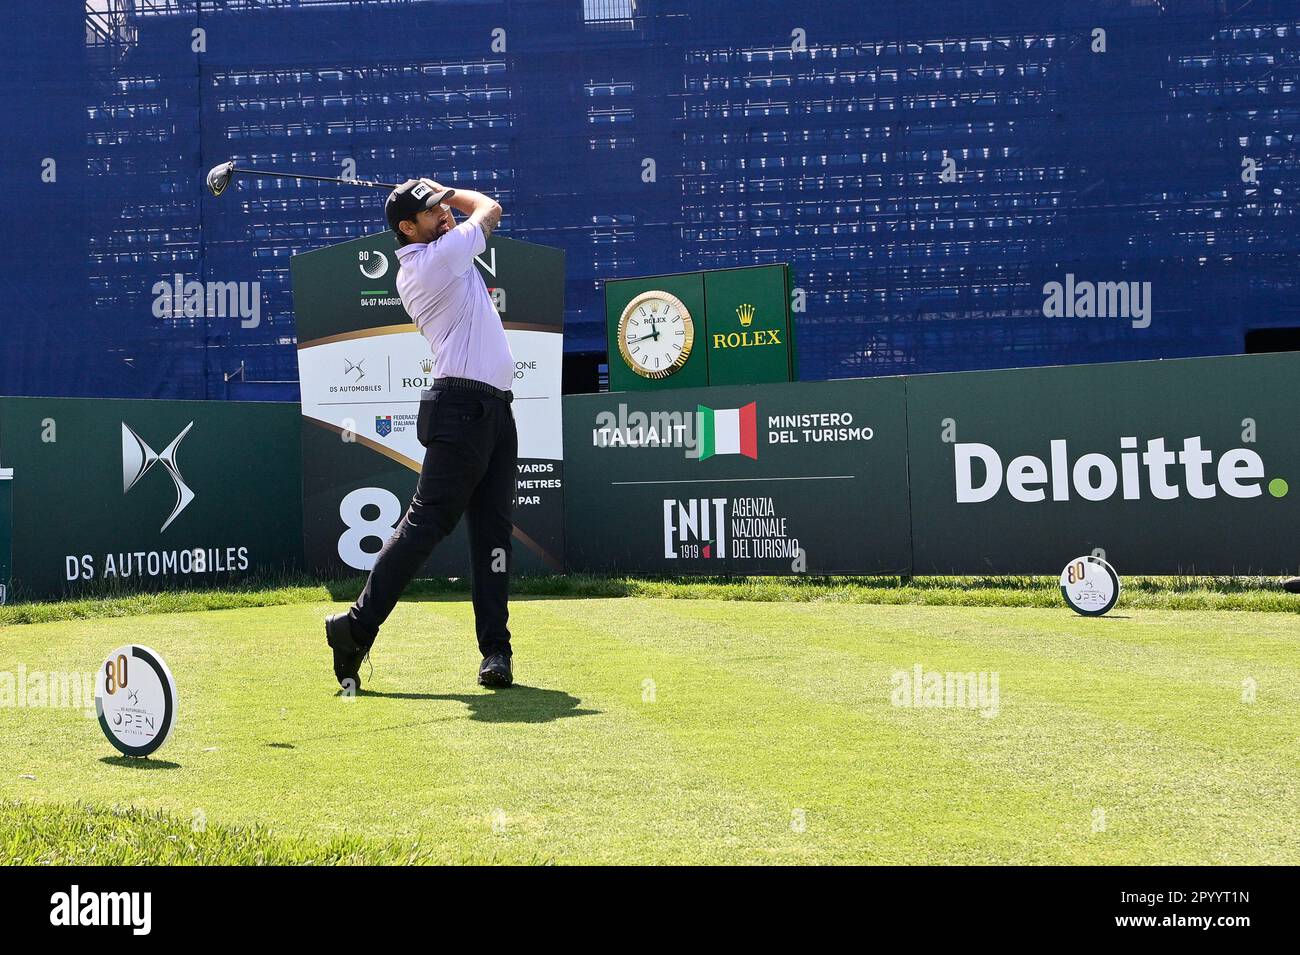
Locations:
(135, 700)
(1090, 586)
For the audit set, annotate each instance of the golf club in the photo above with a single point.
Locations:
(219, 177)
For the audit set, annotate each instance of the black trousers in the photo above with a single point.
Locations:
(469, 468)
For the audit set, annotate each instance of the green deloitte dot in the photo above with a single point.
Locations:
(1278, 487)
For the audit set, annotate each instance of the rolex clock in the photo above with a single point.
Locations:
(655, 334)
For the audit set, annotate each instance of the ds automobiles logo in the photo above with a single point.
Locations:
(138, 458)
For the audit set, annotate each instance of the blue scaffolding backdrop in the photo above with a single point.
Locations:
(926, 166)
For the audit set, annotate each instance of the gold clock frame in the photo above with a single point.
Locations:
(621, 330)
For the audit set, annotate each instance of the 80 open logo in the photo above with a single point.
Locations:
(1090, 586)
(135, 700)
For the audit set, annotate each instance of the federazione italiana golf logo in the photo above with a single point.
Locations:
(1159, 469)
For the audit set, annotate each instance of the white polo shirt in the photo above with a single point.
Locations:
(449, 303)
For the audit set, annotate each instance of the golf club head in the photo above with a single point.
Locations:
(219, 177)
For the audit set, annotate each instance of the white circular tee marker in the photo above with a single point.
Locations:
(1090, 586)
(135, 700)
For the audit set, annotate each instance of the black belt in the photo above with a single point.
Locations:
(469, 384)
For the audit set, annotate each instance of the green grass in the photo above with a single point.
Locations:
(89, 835)
(1167, 593)
(766, 734)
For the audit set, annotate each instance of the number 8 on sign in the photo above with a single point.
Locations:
(115, 674)
(1090, 586)
(386, 511)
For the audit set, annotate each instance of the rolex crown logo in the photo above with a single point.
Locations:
(426, 366)
(746, 315)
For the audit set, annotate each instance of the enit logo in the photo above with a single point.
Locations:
(138, 458)
(1157, 472)
(695, 528)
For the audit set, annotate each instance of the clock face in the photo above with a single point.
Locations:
(655, 334)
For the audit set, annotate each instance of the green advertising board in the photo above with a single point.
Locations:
(6, 532)
(737, 329)
(362, 366)
(1187, 466)
(693, 370)
(747, 318)
(766, 479)
(1167, 467)
(147, 495)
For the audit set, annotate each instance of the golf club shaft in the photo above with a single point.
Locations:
(295, 175)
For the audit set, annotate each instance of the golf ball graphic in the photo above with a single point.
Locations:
(374, 265)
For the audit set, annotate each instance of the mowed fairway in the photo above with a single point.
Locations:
(661, 730)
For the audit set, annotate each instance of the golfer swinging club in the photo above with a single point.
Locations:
(465, 424)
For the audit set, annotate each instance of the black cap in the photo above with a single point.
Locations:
(411, 198)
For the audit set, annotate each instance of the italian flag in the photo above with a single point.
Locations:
(728, 431)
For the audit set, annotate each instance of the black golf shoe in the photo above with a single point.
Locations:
(1291, 585)
(348, 653)
(496, 671)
